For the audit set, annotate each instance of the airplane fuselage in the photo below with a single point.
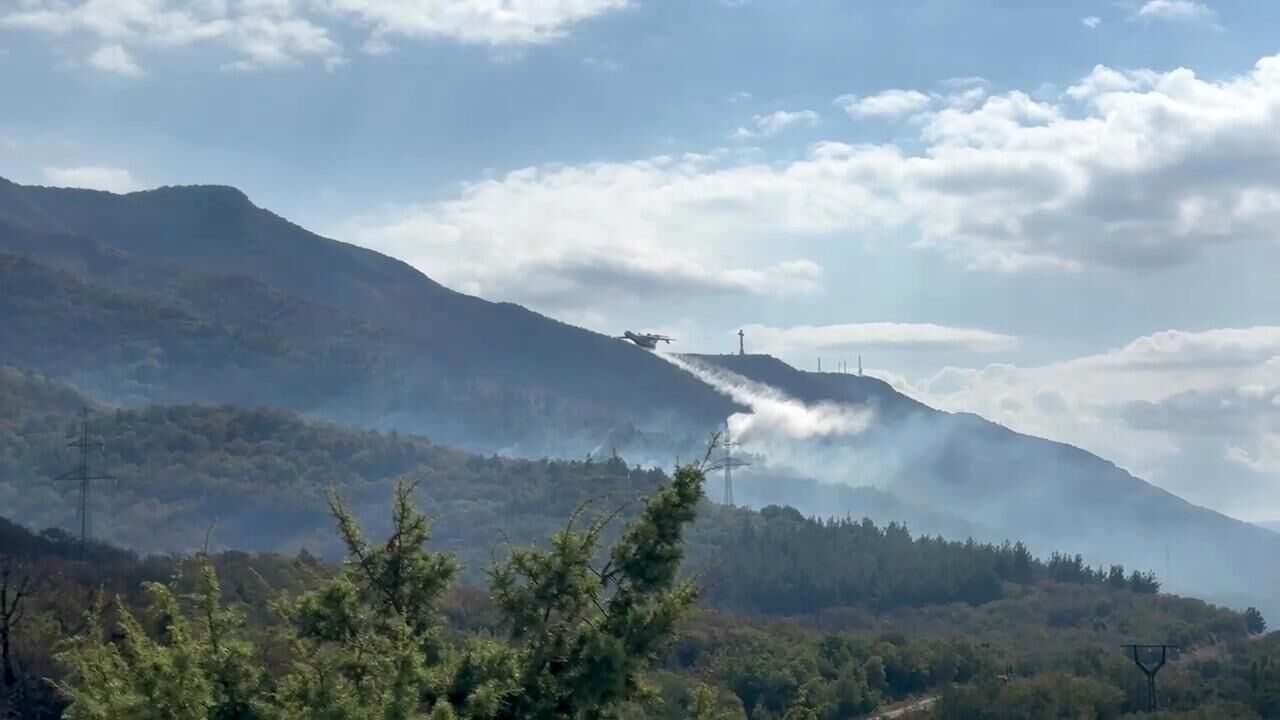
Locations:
(645, 340)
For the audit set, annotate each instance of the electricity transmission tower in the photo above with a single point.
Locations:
(84, 476)
(729, 462)
(1150, 670)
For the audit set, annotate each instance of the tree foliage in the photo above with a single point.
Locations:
(368, 642)
(1254, 622)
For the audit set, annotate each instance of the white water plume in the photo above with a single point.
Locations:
(775, 414)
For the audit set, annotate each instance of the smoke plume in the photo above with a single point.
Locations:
(773, 413)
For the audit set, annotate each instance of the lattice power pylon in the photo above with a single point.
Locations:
(729, 462)
(85, 477)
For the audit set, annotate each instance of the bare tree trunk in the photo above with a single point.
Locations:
(6, 658)
(12, 591)
(10, 677)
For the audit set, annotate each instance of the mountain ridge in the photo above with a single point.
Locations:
(456, 333)
(499, 378)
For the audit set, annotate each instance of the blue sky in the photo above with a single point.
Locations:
(1059, 215)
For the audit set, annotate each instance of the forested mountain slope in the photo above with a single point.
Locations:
(1049, 494)
(831, 660)
(194, 294)
(461, 348)
(263, 475)
(132, 332)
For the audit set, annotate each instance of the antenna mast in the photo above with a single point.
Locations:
(83, 475)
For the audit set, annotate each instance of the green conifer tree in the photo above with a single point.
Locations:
(367, 644)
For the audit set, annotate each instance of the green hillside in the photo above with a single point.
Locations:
(194, 294)
(1046, 649)
(262, 476)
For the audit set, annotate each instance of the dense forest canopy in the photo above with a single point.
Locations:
(195, 637)
(970, 605)
(262, 475)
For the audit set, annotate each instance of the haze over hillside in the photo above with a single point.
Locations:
(639, 359)
(193, 294)
(376, 342)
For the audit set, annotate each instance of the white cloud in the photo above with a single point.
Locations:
(1263, 458)
(602, 64)
(281, 33)
(485, 22)
(1129, 169)
(775, 122)
(1184, 11)
(886, 104)
(1162, 401)
(964, 81)
(1091, 22)
(261, 33)
(334, 62)
(865, 336)
(967, 98)
(114, 59)
(566, 237)
(93, 177)
(1102, 80)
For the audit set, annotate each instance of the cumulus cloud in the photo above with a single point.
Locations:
(769, 125)
(93, 177)
(261, 33)
(114, 59)
(1185, 11)
(886, 104)
(516, 22)
(866, 336)
(280, 33)
(1128, 169)
(1264, 457)
(568, 237)
(1158, 405)
(1091, 21)
(1102, 80)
